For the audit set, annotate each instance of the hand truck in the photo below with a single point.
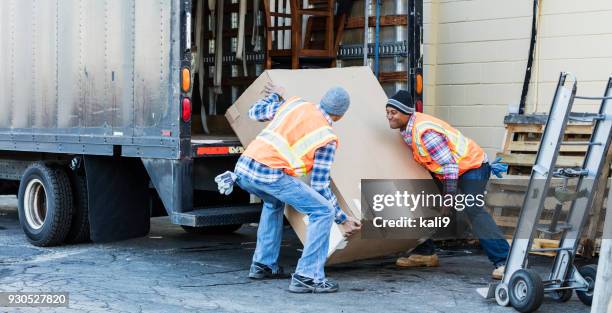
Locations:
(521, 286)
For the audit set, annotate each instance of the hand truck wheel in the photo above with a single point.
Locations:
(562, 295)
(588, 272)
(526, 290)
(501, 295)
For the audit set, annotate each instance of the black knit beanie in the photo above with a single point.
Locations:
(401, 102)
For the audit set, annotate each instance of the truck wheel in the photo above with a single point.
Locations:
(589, 272)
(45, 204)
(526, 290)
(221, 229)
(79, 228)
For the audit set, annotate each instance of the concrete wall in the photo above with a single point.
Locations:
(476, 54)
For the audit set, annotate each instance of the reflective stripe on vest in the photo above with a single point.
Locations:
(466, 153)
(282, 146)
(284, 110)
(459, 141)
(302, 146)
(294, 153)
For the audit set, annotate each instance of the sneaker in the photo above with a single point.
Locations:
(417, 260)
(262, 271)
(498, 272)
(301, 284)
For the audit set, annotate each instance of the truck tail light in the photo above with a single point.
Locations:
(186, 110)
(185, 80)
(419, 106)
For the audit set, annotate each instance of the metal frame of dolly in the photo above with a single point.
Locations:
(521, 287)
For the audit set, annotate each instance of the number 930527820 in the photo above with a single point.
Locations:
(33, 299)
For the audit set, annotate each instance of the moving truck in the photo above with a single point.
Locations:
(98, 121)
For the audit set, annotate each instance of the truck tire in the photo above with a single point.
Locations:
(45, 204)
(221, 229)
(79, 228)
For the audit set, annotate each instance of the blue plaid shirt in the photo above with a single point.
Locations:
(264, 110)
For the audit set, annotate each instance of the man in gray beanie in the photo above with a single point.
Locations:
(298, 140)
(335, 102)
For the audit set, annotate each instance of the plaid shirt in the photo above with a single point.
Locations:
(437, 146)
(264, 110)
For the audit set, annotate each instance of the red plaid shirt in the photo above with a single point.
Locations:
(437, 146)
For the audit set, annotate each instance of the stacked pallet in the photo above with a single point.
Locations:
(523, 135)
(505, 196)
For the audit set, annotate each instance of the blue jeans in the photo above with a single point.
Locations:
(491, 238)
(306, 200)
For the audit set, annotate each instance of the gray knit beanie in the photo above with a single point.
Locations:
(336, 101)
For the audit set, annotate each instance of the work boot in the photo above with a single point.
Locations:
(418, 260)
(498, 272)
(262, 271)
(301, 284)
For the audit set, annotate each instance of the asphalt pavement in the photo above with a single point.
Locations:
(173, 271)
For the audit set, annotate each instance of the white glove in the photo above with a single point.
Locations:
(226, 190)
(225, 182)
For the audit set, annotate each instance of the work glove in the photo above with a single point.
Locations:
(498, 168)
(225, 182)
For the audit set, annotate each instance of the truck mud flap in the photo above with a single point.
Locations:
(173, 181)
(118, 196)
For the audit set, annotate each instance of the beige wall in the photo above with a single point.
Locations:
(476, 53)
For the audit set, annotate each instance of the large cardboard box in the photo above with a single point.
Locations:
(368, 149)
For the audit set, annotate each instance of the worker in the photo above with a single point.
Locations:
(456, 162)
(299, 140)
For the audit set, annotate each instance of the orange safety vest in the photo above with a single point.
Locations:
(290, 140)
(467, 153)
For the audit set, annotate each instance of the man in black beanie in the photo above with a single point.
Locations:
(457, 163)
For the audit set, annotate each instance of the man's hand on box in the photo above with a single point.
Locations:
(350, 226)
(270, 88)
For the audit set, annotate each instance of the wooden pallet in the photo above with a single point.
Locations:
(504, 200)
(505, 196)
(522, 140)
(539, 243)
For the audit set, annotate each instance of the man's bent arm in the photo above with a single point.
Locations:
(265, 109)
(320, 177)
(438, 149)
